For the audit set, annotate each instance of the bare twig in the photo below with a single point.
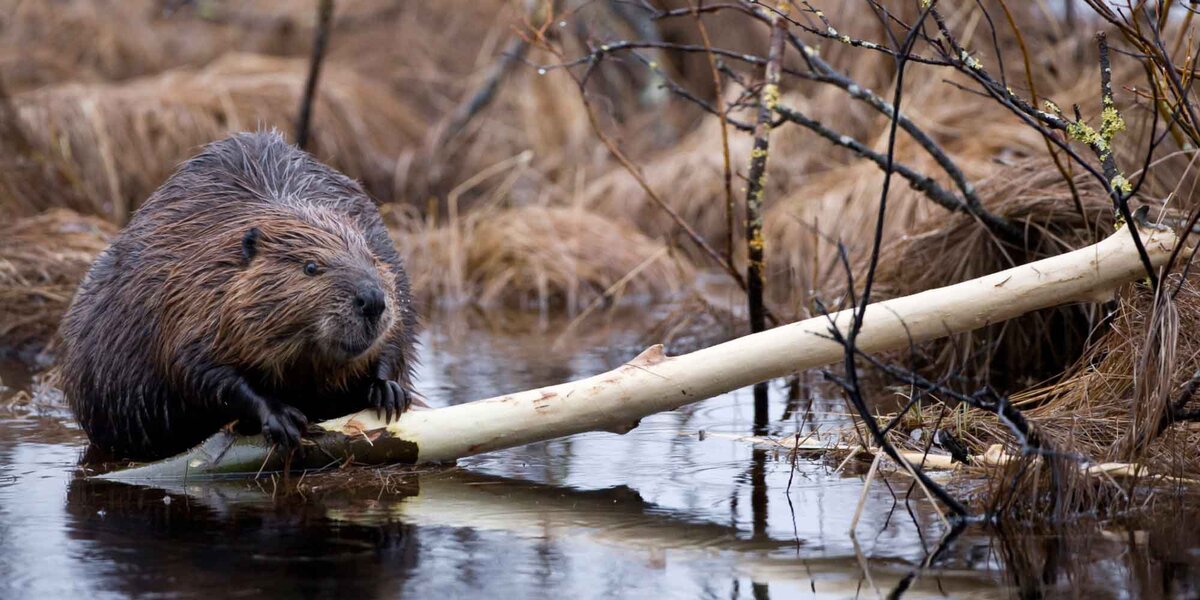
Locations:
(918, 181)
(320, 41)
(848, 341)
(719, 94)
(1063, 169)
(1100, 142)
(513, 54)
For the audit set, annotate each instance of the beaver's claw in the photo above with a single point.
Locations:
(388, 397)
(283, 425)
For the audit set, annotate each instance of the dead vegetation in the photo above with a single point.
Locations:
(1126, 406)
(43, 43)
(120, 141)
(42, 260)
(541, 258)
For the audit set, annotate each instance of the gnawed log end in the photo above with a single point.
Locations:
(228, 455)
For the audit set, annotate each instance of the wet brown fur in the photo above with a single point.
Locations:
(187, 307)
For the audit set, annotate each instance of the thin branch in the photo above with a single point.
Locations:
(320, 41)
(825, 73)
(513, 54)
(831, 33)
(1064, 170)
(719, 93)
(600, 51)
(849, 341)
(1111, 123)
(918, 181)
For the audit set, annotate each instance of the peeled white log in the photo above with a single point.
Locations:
(653, 382)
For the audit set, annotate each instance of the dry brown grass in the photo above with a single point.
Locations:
(394, 75)
(538, 257)
(43, 43)
(120, 141)
(1110, 405)
(534, 255)
(49, 42)
(42, 260)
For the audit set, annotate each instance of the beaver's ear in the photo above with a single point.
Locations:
(250, 244)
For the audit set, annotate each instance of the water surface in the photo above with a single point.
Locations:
(658, 512)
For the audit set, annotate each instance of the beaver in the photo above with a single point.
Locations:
(257, 286)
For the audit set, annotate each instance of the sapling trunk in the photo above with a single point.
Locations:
(755, 189)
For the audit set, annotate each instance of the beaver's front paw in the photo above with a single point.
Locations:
(388, 397)
(282, 425)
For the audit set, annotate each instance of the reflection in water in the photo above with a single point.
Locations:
(400, 535)
(1155, 559)
(142, 540)
(758, 491)
(654, 513)
(758, 499)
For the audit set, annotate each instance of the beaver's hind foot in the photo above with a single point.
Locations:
(283, 424)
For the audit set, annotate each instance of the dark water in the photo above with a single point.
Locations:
(656, 513)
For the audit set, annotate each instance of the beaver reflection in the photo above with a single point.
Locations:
(156, 542)
(476, 532)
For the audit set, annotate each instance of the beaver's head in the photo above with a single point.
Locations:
(309, 291)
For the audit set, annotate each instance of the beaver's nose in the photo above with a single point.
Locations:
(370, 301)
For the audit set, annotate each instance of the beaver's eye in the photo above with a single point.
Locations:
(310, 268)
